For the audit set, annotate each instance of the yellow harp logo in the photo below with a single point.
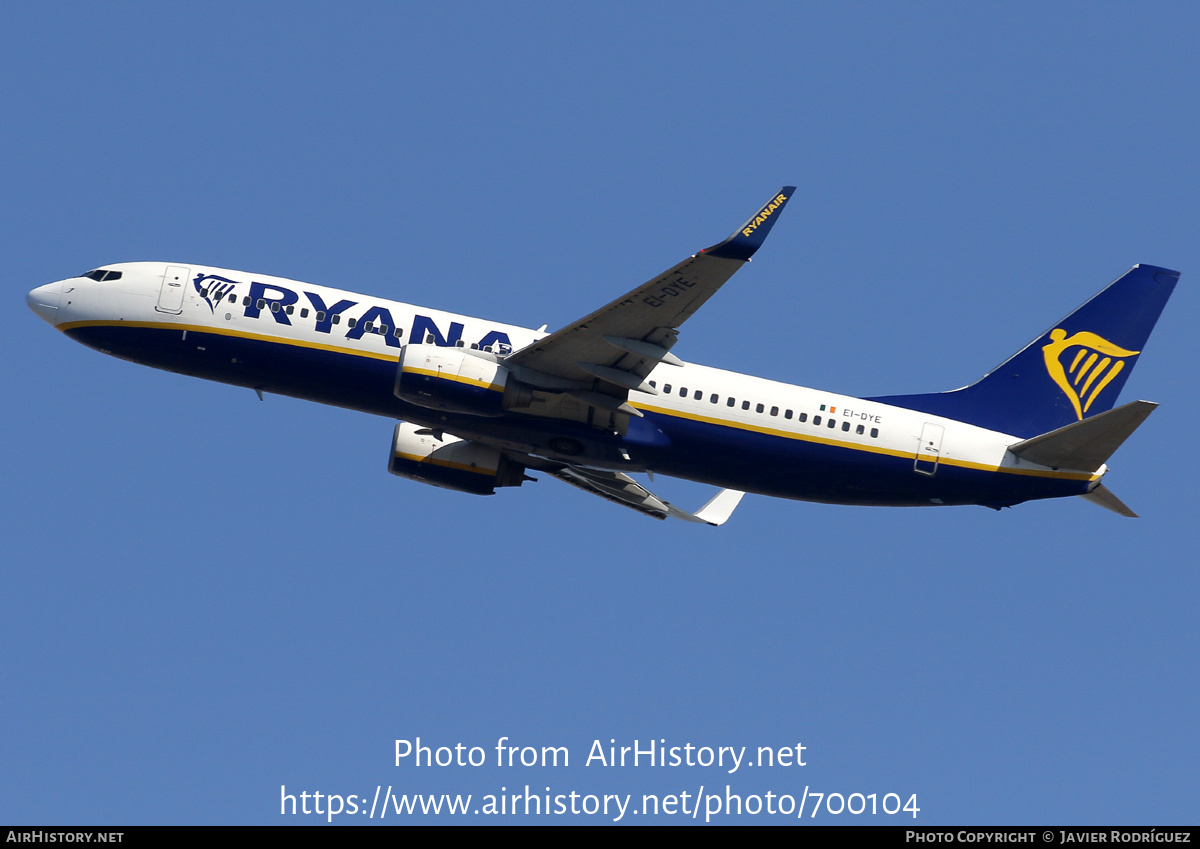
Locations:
(1096, 362)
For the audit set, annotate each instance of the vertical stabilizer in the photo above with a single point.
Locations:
(1072, 371)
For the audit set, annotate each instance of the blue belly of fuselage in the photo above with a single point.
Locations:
(734, 457)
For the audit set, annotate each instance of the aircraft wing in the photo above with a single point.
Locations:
(622, 489)
(610, 352)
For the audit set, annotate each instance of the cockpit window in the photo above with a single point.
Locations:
(101, 275)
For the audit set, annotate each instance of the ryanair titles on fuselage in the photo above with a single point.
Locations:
(275, 300)
(764, 213)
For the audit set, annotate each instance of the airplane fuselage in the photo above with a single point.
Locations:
(699, 423)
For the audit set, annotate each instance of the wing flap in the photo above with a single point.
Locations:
(620, 488)
(647, 314)
(634, 333)
(616, 487)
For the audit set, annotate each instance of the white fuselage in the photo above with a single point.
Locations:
(203, 319)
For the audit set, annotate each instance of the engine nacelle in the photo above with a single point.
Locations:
(451, 379)
(450, 462)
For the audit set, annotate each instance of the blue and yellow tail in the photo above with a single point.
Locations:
(1072, 371)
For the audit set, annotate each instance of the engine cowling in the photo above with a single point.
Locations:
(450, 462)
(451, 379)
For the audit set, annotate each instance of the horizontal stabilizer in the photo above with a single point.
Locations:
(1102, 496)
(1088, 444)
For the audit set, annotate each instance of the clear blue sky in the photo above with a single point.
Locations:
(208, 596)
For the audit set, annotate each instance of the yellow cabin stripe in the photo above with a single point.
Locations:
(855, 446)
(241, 334)
(871, 449)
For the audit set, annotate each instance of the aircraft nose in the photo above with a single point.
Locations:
(44, 301)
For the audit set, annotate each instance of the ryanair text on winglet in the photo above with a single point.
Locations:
(764, 213)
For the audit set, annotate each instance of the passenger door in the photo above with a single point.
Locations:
(929, 449)
(170, 296)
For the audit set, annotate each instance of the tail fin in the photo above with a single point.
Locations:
(1072, 371)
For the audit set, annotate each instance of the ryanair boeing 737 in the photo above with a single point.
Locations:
(480, 404)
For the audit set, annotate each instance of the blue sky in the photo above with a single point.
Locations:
(208, 596)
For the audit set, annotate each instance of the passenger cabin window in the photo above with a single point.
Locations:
(787, 414)
(774, 411)
(730, 402)
(758, 408)
(274, 306)
(816, 421)
(715, 398)
(699, 395)
(859, 430)
(303, 312)
(683, 392)
(874, 433)
(832, 423)
(653, 384)
(667, 388)
(320, 316)
(745, 405)
(351, 322)
(845, 426)
(233, 299)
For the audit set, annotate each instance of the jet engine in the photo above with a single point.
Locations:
(451, 379)
(443, 460)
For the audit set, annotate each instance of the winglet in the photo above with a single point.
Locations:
(749, 237)
(716, 512)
